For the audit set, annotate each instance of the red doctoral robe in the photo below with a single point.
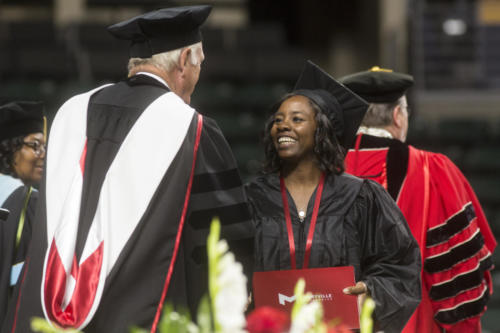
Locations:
(448, 222)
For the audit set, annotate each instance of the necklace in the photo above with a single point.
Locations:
(312, 226)
(302, 214)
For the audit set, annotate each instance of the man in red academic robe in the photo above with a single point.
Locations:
(439, 204)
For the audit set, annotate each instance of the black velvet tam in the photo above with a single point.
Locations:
(378, 85)
(344, 108)
(162, 30)
(21, 119)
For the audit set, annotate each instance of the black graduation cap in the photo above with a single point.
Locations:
(21, 118)
(378, 85)
(344, 108)
(162, 30)
(4, 214)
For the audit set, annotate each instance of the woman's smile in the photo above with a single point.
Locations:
(286, 141)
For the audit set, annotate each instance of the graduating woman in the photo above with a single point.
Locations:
(22, 153)
(310, 214)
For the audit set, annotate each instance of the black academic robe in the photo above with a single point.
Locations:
(9, 254)
(358, 225)
(132, 292)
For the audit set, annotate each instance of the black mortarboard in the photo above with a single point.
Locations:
(162, 30)
(378, 85)
(21, 118)
(344, 108)
(4, 214)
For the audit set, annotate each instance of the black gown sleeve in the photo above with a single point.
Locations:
(217, 191)
(390, 257)
(257, 244)
(9, 254)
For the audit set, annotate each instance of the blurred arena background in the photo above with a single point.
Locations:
(53, 49)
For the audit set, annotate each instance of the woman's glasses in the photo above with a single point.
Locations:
(37, 147)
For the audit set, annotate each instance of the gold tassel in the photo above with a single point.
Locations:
(45, 129)
(378, 69)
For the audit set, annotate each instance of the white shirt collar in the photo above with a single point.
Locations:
(379, 132)
(154, 76)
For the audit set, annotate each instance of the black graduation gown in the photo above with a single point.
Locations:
(133, 288)
(9, 255)
(359, 225)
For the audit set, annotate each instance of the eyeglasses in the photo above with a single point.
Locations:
(37, 147)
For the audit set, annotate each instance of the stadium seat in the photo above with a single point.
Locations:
(240, 126)
(487, 188)
(249, 157)
(482, 159)
(464, 131)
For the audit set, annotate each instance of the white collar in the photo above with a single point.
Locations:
(154, 76)
(379, 132)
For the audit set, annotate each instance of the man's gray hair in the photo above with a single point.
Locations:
(380, 114)
(167, 60)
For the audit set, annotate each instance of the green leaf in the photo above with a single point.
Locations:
(41, 325)
(176, 322)
(366, 315)
(204, 317)
(136, 329)
(213, 259)
(185, 314)
(301, 299)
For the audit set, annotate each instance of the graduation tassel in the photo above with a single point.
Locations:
(45, 129)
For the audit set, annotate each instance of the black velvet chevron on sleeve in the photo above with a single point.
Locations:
(217, 191)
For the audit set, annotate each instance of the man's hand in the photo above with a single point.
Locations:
(358, 289)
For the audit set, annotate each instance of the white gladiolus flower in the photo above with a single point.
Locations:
(222, 246)
(306, 318)
(227, 285)
(307, 314)
(231, 298)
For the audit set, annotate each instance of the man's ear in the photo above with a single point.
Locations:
(184, 58)
(397, 118)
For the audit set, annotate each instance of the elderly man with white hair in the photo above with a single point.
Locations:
(134, 176)
(179, 69)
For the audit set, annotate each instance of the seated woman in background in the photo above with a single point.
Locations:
(357, 223)
(22, 153)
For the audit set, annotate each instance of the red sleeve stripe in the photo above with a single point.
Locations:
(464, 269)
(463, 310)
(457, 245)
(454, 255)
(453, 242)
(461, 282)
(454, 225)
(464, 266)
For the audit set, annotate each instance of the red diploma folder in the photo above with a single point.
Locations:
(276, 289)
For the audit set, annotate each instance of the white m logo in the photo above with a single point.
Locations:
(285, 298)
